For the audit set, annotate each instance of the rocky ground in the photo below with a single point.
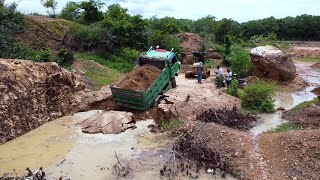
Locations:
(292, 155)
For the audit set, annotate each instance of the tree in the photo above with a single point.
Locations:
(71, 11)
(128, 31)
(92, 11)
(50, 4)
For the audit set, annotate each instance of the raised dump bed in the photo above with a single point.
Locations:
(138, 92)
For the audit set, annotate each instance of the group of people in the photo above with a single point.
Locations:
(219, 75)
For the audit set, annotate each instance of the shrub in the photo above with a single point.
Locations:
(233, 89)
(259, 96)
(65, 57)
(240, 61)
(44, 55)
(131, 55)
(164, 40)
(11, 23)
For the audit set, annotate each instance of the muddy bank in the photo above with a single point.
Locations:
(33, 94)
(308, 117)
(214, 146)
(292, 155)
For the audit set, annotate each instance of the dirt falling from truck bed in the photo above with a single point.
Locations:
(140, 78)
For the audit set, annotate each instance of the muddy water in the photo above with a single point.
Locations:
(63, 150)
(289, 100)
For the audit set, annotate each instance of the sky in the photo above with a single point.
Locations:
(239, 10)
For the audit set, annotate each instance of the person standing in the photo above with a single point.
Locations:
(219, 77)
(200, 71)
(229, 77)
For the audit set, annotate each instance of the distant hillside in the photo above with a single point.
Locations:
(42, 32)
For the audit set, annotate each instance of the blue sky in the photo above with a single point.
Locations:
(239, 10)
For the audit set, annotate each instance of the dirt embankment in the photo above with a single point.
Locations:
(305, 49)
(292, 155)
(42, 32)
(307, 117)
(141, 78)
(33, 94)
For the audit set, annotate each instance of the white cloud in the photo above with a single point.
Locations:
(240, 10)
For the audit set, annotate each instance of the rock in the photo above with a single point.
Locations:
(33, 94)
(271, 63)
(108, 122)
(316, 66)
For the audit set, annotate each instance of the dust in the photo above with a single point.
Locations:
(140, 78)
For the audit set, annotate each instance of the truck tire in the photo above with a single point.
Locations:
(174, 82)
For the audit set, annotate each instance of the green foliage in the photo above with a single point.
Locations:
(171, 124)
(11, 23)
(302, 106)
(44, 55)
(92, 11)
(286, 127)
(131, 55)
(66, 57)
(50, 4)
(240, 61)
(112, 61)
(71, 11)
(127, 30)
(165, 40)
(233, 89)
(259, 96)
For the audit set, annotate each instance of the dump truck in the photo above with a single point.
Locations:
(168, 63)
(192, 70)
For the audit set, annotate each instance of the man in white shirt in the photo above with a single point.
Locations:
(229, 77)
(219, 76)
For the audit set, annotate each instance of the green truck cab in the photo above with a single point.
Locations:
(165, 60)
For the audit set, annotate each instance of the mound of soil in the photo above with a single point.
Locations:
(308, 117)
(212, 146)
(190, 43)
(140, 78)
(33, 94)
(292, 155)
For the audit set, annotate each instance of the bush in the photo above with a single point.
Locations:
(44, 55)
(131, 55)
(65, 57)
(165, 41)
(240, 61)
(233, 89)
(259, 96)
(11, 23)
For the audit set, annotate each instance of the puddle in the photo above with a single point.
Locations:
(287, 101)
(63, 150)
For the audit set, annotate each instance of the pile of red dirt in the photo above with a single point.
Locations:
(140, 78)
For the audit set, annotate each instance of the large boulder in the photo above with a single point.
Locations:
(190, 43)
(108, 122)
(271, 63)
(33, 94)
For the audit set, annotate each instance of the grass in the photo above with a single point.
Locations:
(286, 127)
(302, 106)
(112, 61)
(171, 124)
(103, 76)
(307, 59)
(100, 74)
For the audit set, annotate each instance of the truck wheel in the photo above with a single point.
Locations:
(174, 83)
